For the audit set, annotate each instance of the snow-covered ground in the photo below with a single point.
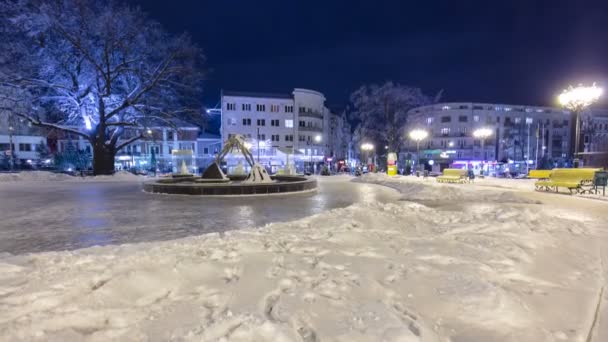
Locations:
(446, 263)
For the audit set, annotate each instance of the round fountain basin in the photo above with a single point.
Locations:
(234, 186)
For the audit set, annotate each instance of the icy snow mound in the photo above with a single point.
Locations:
(418, 189)
(34, 176)
(123, 176)
(45, 176)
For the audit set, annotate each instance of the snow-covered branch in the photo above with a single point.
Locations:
(129, 141)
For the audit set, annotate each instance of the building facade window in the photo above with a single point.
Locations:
(274, 137)
(289, 137)
(445, 131)
(231, 121)
(230, 106)
(289, 123)
(246, 122)
(429, 120)
(445, 119)
(301, 138)
(262, 137)
(274, 123)
(463, 118)
(476, 118)
(260, 108)
(246, 107)
(274, 108)
(25, 147)
(261, 122)
(288, 109)
(302, 123)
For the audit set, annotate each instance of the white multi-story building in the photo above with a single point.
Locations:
(26, 142)
(277, 125)
(594, 137)
(520, 134)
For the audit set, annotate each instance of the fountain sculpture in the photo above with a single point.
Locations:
(214, 182)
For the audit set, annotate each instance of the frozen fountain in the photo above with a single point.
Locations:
(214, 182)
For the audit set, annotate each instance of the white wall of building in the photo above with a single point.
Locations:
(24, 146)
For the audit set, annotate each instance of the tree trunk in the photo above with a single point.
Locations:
(103, 159)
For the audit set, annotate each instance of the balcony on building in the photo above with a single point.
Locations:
(311, 129)
(311, 114)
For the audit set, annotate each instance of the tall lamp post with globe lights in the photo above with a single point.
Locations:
(418, 135)
(577, 99)
(482, 134)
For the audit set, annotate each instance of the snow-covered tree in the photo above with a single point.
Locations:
(96, 69)
(381, 111)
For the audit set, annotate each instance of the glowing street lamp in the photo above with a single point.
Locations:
(482, 134)
(418, 135)
(317, 140)
(367, 147)
(577, 99)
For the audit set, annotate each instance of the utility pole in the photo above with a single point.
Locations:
(528, 122)
(11, 148)
(536, 152)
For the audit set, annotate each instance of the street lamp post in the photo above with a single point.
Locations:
(482, 134)
(318, 139)
(418, 135)
(11, 129)
(528, 122)
(577, 99)
(367, 147)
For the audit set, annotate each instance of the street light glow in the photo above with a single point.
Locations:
(418, 134)
(367, 147)
(482, 133)
(317, 138)
(578, 98)
(247, 145)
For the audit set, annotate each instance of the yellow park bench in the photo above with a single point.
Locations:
(539, 174)
(453, 176)
(575, 180)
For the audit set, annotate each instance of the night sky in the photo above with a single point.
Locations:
(519, 52)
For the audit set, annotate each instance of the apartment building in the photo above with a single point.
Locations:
(521, 135)
(282, 126)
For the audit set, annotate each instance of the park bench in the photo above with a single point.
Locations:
(453, 176)
(575, 180)
(541, 175)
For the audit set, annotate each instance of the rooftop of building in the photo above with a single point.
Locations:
(484, 106)
(209, 136)
(256, 95)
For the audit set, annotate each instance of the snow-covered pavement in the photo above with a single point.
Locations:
(473, 262)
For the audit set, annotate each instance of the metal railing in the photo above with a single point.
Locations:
(311, 129)
(311, 115)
